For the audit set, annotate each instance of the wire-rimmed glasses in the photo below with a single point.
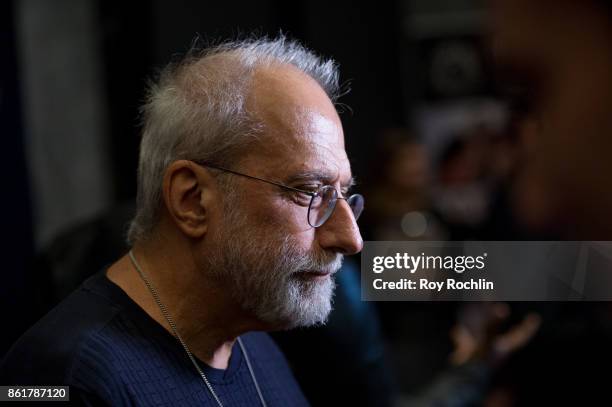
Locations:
(322, 202)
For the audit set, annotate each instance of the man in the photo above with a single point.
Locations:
(243, 216)
(560, 54)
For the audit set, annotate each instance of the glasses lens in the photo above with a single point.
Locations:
(356, 203)
(322, 206)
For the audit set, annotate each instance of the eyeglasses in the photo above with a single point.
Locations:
(322, 202)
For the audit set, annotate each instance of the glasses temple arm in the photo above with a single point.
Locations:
(312, 194)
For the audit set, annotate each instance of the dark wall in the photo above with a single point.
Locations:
(16, 209)
(140, 37)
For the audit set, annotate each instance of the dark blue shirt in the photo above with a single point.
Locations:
(109, 351)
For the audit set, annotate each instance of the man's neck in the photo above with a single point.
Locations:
(204, 314)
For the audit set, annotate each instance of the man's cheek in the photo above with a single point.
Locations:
(266, 215)
(293, 219)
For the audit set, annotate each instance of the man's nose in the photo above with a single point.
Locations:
(340, 232)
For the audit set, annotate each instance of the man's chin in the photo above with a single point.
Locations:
(306, 301)
(310, 314)
(301, 322)
(301, 316)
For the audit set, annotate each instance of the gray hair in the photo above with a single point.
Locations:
(196, 110)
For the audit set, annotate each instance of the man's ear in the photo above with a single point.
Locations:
(189, 192)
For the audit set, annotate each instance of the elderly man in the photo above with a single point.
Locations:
(243, 217)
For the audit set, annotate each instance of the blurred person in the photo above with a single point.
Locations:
(243, 217)
(462, 191)
(556, 57)
(530, 201)
(505, 189)
(399, 194)
(484, 338)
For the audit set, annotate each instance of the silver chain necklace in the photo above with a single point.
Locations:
(170, 321)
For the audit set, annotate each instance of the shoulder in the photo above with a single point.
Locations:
(47, 352)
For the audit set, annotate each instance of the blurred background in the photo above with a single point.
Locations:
(434, 142)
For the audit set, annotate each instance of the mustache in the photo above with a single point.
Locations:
(324, 263)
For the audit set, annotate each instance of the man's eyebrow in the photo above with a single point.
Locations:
(324, 177)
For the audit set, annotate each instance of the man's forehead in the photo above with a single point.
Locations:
(521, 40)
(285, 85)
(305, 160)
(531, 38)
(513, 27)
(526, 24)
(301, 132)
(286, 100)
(318, 171)
(312, 142)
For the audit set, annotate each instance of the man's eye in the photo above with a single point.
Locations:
(300, 198)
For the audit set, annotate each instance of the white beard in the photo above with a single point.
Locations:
(264, 276)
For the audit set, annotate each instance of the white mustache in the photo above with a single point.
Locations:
(319, 265)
